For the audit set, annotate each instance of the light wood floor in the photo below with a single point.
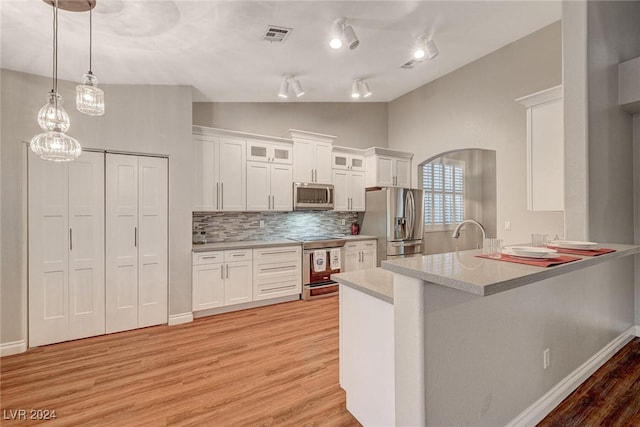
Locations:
(275, 365)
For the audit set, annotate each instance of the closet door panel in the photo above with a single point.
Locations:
(86, 248)
(121, 242)
(152, 250)
(48, 252)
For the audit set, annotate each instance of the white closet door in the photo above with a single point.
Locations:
(48, 252)
(121, 242)
(86, 247)
(152, 241)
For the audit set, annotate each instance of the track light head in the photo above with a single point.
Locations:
(350, 37)
(355, 89)
(284, 88)
(337, 31)
(432, 50)
(364, 89)
(297, 87)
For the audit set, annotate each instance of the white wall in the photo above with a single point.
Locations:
(144, 119)
(474, 107)
(356, 124)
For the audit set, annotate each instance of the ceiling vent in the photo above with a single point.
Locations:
(276, 34)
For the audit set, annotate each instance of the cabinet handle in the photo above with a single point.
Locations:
(227, 271)
(268, 202)
(273, 202)
(135, 236)
(221, 271)
(279, 252)
(70, 239)
(222, 195)
(217, 195)
(284, 267)
(210, 257)
(311, 175)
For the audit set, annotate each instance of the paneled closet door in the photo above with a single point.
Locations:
(152, 240)
(121, 242)
(86, 254)
(66, 249)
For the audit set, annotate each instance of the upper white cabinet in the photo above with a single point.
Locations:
(349, 191)
(311, 157)
(347, 159)
(219, 170)
(387, 168)
(270, 152)
(269, 187)
(545, 150)
(66, 249)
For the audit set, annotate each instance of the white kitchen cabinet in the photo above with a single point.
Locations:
(66, 249)
(360, 255)
(221, 278)
(265, 151)
(136, 225)
(545, 150)
(347, 158)
(311, 157)
(387, 168)
(269, 187)
(219, 173)
(277, 272)
(349, 191)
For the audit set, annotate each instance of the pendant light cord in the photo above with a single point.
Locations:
(55, 49)
(90, 34)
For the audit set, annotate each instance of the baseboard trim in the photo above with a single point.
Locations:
(13, 347)
(179, 319)
(637, 331)
(543, 406)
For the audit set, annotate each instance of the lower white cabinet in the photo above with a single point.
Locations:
(277, 272)
(360, 255)
(221, 278)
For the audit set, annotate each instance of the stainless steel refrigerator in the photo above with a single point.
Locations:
(396, 217)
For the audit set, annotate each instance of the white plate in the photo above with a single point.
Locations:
(573, 244)
(530, 252)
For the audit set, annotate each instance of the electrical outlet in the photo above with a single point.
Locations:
(507, 225)
(344, 222)
(261, 224)
(545, 359)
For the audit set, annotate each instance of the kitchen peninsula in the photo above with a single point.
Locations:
(454, 339)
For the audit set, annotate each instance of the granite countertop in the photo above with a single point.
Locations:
(375, 282)
(246, 244)
(466, 272)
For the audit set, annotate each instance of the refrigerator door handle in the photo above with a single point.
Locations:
(407, 213)
(412, 215)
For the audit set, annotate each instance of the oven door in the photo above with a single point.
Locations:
(318, 283)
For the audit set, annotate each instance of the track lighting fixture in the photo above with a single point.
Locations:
(342, 33)
(360, 89)
(425, 48)
(295, 85)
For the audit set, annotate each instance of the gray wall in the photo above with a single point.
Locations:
(145, 119)
(356, 124)
(613, 37)
(474, 107)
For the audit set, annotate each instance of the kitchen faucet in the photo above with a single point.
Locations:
(456, 232)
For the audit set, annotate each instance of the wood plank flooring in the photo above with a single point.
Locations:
(275, 365)
(610, 397)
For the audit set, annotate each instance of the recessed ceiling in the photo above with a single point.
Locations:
(218, 47)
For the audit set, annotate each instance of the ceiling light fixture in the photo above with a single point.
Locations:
(342, 33)
(89, 97)
(54, 144)
(360, 89)
(295, 85)
(425, 48)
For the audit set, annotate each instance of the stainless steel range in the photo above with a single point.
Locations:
(322, 256)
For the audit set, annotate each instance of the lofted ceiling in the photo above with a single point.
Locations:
(217, 47)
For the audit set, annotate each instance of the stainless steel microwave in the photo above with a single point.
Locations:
(307, 196)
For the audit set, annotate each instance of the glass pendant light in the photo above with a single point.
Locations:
(54, 144)
(89, 97)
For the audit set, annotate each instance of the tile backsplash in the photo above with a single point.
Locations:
(235, 226)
